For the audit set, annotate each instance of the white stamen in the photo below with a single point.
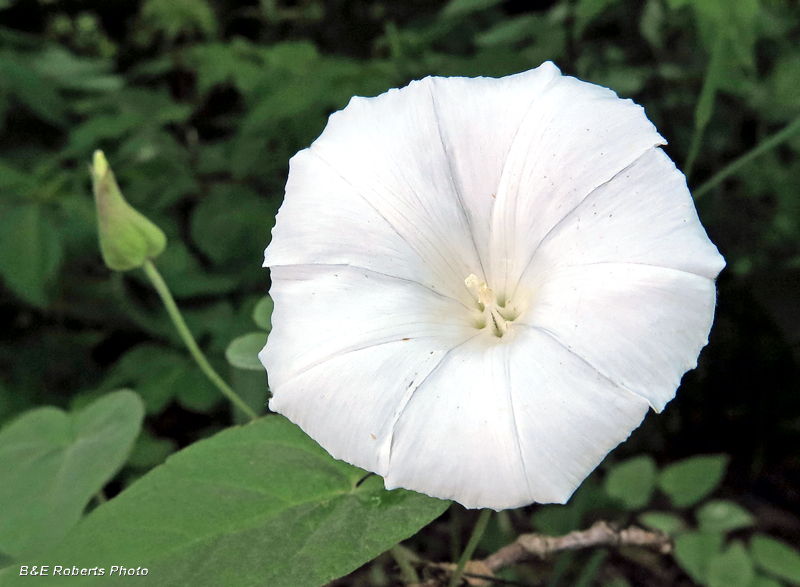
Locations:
(485, 295)
(491, 308)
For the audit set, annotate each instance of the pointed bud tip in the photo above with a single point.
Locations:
(99, 164)
(127, 238)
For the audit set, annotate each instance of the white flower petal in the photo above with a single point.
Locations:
(323, 311)
(346, 347)
(478, 120)
(575, 137)
(505, 422)
(413, 173)
(350, 402)
(393, 178)
(324, 220)
(644, 215)
(456, 437)
(640, 326)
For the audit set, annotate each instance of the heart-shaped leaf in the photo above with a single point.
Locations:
(690, 480)
(256, 505)
(632, 482)
(52, 463)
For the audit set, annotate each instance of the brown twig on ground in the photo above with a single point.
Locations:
(600, 534)
(529, 546)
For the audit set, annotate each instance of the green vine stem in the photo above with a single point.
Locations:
(705, 104)
(184, 332)
(403, 559)
(466, 556)
(735, 165)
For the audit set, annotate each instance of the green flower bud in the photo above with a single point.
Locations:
(127, 239)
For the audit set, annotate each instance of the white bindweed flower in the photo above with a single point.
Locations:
(482, 285)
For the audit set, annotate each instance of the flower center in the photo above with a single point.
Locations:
(494, 312)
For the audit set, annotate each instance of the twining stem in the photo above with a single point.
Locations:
(466, 556)
(735, 165)
(456, 524)
(184, 332)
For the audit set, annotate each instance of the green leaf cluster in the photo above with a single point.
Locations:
(703, 551)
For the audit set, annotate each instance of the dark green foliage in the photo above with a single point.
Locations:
(732, 568)
(723, 516)
(632, 482)
(243, 351)
(702, 552)
(30, 252)
(694, 552)
(689, 481)
(776, 558)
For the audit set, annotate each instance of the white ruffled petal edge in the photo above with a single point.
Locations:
(373, 350)
(640, 326)
(643, 215)
(575, 137)
(488, 424)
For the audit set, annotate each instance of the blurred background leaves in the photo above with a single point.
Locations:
(199, 104)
